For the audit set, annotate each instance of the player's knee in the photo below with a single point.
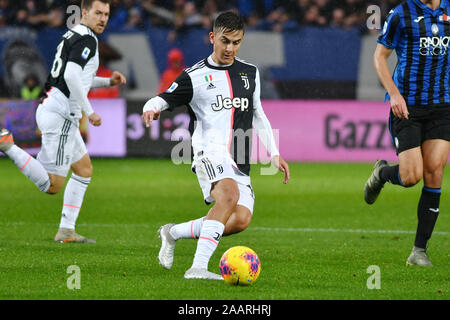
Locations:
(53, 189)
(411, 177)
(228, 200)
(56, 184)
(433, 176)
(86, 171)
(242, 222)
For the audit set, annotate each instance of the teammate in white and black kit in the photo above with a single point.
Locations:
(71, 77)
(224, 94)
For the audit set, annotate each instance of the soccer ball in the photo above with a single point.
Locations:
(240, 266)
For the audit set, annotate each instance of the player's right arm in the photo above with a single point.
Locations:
(387, 42)
(178, 94)
(398, 103)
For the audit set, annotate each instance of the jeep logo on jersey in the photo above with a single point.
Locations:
(228, 103)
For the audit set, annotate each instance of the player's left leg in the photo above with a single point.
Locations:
(435, 155)
(74, 194)
(225, 193)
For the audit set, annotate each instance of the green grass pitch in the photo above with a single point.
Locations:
(315, 237)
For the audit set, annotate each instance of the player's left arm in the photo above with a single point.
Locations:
(104, 82)
(264, 131)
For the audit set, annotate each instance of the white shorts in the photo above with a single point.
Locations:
(210, 169)
(62, 144)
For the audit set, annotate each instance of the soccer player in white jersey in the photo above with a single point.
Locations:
(224, 93)
(71, 76)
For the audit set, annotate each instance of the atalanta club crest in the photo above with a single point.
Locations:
(444, 17)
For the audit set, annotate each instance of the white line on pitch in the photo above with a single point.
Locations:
(340, 230)
(274, 229)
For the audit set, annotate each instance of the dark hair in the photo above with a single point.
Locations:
(87, 4)
(228, 21)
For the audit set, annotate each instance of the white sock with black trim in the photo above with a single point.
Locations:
(30, 167)
(187, 230)
(73, 199)
(208, 241)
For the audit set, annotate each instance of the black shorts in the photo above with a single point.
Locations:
(424, 123)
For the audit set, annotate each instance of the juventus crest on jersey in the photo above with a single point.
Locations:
(223, 99)
(78, 45)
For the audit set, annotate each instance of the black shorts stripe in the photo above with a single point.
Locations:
(211, 167)
(207, 169)
(62, 142)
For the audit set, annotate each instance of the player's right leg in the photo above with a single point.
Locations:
(407, 136)
(408, 172)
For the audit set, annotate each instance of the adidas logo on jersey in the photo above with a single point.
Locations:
(228, 103)
(210, 86)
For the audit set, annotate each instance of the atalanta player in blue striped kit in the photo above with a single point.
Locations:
(419, 32)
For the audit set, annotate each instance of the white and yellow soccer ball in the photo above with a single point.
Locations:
(240, 266)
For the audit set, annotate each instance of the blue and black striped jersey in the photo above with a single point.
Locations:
(421, 38)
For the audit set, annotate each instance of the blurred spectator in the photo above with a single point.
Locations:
(134, 21)
(3, 19)
(31, 89)
(280, 20)
(338, 18)
(7, 11)
(157, 15)
(186, 16)
(313, 17)
(175, 65)
(180, 15)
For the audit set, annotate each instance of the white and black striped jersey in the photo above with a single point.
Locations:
(225, 100)
(78, 45)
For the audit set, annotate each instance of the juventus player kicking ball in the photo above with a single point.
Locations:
(224, 94)
(72, 75)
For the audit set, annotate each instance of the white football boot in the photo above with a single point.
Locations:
(166, 252)
(197, 273)
(65, 235)
(418, 257)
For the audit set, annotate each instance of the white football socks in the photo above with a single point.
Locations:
(187, 230)
(73, 199)
(30, 167)
(208, 241)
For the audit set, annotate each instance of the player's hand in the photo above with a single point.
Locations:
(398, 106)
(117, 78)
(95, 119)
(282, 165)
(149, 116)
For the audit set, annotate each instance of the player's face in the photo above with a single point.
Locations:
(226, 45)
(97, 16)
